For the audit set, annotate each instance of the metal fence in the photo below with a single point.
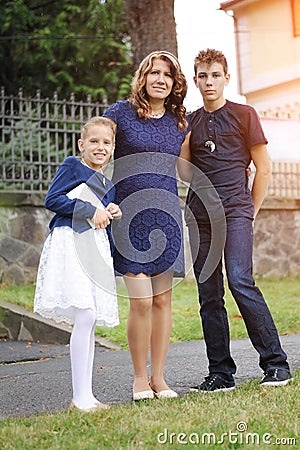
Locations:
(38, 133)
(285, 180)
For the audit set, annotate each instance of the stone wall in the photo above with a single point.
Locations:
(24, 227)
(277, 239)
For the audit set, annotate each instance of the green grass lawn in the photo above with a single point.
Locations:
(250, 417)
(282, 297)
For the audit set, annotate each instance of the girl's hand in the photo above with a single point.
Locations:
(114, 210)
(102, 218)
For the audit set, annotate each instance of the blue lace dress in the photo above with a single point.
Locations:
(149, 237)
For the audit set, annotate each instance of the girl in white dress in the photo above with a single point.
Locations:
(75, 281)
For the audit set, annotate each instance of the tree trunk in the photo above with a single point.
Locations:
(151, 25)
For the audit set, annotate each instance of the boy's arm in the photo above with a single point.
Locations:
(184, 165)
(262, 176)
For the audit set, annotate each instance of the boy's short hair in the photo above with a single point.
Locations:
(210, 56)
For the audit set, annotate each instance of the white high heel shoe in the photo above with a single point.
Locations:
(166, 393)
(143, 395)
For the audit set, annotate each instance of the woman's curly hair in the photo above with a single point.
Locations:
(174, 102)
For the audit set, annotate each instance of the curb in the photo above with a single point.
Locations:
(16, 323)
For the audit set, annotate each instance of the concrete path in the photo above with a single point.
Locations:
(36, 378)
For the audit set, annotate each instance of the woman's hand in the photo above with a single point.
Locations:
(114, 210)
(102, 218)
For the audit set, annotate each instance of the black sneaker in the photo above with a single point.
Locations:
(276, 377)
(214, 383)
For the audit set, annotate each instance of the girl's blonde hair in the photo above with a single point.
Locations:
(174, 101)
(97, 120)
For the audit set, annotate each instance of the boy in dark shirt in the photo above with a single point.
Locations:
(225, 137)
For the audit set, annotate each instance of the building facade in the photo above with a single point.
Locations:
(267, 35)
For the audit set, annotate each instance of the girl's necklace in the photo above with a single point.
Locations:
(99, 170)
(85, 164)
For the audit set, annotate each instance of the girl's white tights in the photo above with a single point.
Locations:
(82, 349)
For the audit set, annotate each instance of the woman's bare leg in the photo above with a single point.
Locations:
(139, 326)
(161, 328)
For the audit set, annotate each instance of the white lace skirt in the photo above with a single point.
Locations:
(76, 271)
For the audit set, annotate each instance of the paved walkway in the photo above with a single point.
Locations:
(36, 378)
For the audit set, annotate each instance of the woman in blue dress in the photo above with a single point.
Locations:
(151, 127)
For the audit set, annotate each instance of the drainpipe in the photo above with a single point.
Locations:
(237, 49)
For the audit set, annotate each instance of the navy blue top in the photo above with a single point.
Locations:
(220, 147)
(149, 237)
(73, 213)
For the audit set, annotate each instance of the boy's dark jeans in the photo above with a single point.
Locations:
(259, 323)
